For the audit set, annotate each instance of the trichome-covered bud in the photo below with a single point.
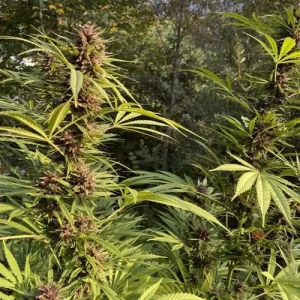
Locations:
(49, 183)
(71, 141)
(82, 180)
(96, 253)
(89, 102)
(282, 80)
(204, 235)
(201, 188)
(66, 232)
(84, 224)
(48, 292)
(91, 48)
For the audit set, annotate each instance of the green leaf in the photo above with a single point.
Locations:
(7, 274)
(213, 77)
(27, 270)
(232, 167)
(268, 275)
(273, 45)
(21, 133)
(280, 200)
(246, 22)
(12, 263)
(174, 202)
(289, 286)
(263, 196)
(287, 46)
(252, 124)
(5, 207)
(293, 57)
(148, 293)
(272, 264)
(245, 182)
(17, 226)
(6, 297)
(270, 51)
(6, 284)
(243, 162)
(29, 123)
(166, 238)
(180, 296)
(110, 293)
(57, 116)
(76, 81)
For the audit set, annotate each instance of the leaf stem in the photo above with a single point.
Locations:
(231, 266)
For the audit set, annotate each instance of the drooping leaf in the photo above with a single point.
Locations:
(213, 77)
(174, 202)
(29, 122)
(21, 133)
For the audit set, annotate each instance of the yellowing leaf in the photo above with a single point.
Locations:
(294, 56)
(245, 182)
(263, 196)
(232, 167)
(60, 11)
(287, 46)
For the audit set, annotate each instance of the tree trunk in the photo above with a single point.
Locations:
(174, 83)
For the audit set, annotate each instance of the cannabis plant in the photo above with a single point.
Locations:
(249, 178)
(67, 226)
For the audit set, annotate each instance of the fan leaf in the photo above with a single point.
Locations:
(57, 116)
(12, 263)
(263, 195)
(29, 122)
(76, 81)
(245, 183)
(148, 293)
